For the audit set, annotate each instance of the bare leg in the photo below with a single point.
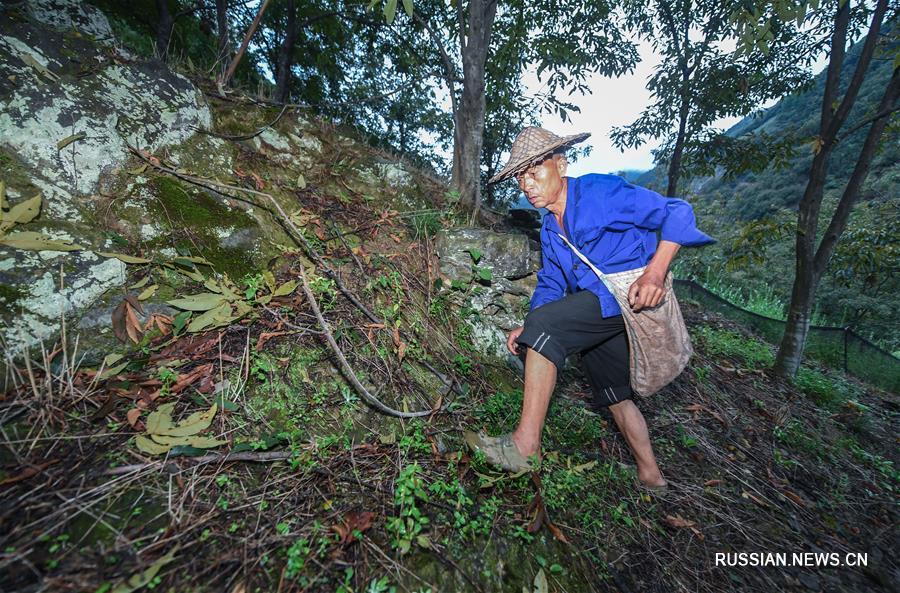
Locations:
(540, 379)
(633, 426)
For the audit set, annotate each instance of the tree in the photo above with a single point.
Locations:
(563, 40)
(701, 80)
(833, 26)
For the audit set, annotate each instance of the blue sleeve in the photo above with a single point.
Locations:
(645, 208)
(551, 285)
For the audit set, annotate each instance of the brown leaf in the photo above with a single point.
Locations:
(678, 521)
(135, 303)
(711, 483)
(185, 380)
(557, 532)
(132, 324)
(258, 181)
(118, 322)
(353, 521)
(266, 336)
(755, 499)
(795, 497)
(132, 416)
(28, 472)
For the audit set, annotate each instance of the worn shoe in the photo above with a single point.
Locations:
(659, 489)
(500, 451)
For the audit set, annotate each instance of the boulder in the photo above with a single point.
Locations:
(70, 103)
(506, 255)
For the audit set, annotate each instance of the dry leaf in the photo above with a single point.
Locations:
(132, 416)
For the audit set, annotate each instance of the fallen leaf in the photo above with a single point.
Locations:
(28, 472)
(69, 140)
(795, 497)
(755, 499)
(196, 422)
(203, 301)
(148, 446)
(678, 521)
(31, 241)
(132, 416)
(710, 483)
(141, 579)
(148, 292)
(353, 521)
(540, 582)
(128, 259)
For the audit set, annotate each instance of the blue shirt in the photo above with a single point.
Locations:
(614, 224)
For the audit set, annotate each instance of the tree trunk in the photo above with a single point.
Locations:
(163, 29)
(286, 56)
(222, 30)
(812, 261)
(468, 133)
(678, 151)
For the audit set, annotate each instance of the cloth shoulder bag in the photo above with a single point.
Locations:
(659, 343)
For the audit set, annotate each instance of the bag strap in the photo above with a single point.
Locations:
(582, 257)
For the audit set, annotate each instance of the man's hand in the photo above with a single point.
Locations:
(511, 340)
(647, 291)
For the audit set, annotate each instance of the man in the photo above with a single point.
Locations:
(614, 224)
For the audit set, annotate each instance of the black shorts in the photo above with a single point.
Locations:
(575, 325)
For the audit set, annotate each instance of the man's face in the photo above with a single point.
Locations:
(542, 183)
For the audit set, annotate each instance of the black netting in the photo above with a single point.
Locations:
(835, 346)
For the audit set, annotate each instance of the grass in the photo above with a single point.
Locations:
(731, 344)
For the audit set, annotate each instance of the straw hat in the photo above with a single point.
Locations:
(533, 144)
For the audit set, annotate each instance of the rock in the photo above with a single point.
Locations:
(69, 15)
(506, 255)
(57, 82)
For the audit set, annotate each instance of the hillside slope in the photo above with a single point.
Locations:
(213, 439)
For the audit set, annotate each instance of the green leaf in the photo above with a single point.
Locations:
(148, 292)
(286, 288)
(540, 582)
(141, 579)
(193, 441)
(476, 254)
(390, 10)
(149, 447)
(140, 283)
(216, 317)
(484, 274)
(180, 320)
(203, 301)
(408, 7)
(193, 424)
(269, 279)
(160, 420)
(128, 259)
(301, 181)
(69, 140)
(112, 371)
(37, 242)
(186, 450)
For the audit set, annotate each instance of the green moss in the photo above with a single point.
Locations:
(193, 217)
(10, 294)
(15, 174)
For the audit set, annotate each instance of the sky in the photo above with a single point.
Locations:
(613, 102)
